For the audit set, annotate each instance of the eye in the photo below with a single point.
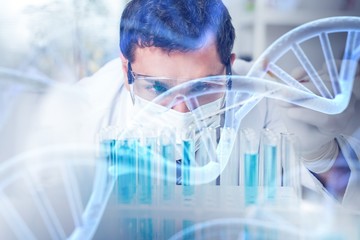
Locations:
(202, 87)
(198, 87)
(158, 87)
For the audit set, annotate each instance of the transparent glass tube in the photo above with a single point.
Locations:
(107, 139)
(146, 229)
(270, 163)
(147, 166)
(188, 161)
(168, 228)
(206, 153)
(167, 164)
(230, 167)
(249, 144)
(290, 163)
(126, 150)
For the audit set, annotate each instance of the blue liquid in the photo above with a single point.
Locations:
(126, 167)
(251, 177)
(169, 179)
(270, 171)
(145, 174)
(107, 147)
(188, 158)
(188, 224)
(168, 228)
(146, 229)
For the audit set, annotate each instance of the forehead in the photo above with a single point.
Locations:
(154, 61)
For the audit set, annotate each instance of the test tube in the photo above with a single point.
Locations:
(188, 160)
(146, 229)
(249, 145)
(290, 163)
(126, 151)
(206, 153)
(167, 228)
(270, 163)
(107, 140)
(186, 225)
(147, 166)
(229, 163)
(167, 164)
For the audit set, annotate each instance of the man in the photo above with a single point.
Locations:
(167, 43)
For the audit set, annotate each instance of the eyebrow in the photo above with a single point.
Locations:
(150, 77)
(167, 78)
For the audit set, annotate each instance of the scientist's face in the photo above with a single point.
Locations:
(173, 68)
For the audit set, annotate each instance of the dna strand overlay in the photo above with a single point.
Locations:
(129, 186)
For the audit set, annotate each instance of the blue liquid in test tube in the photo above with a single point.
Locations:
(169, 176)
(251, 177)
(188, 224)
(107, 139)
(145, 174)
(270, 170)
(271, 163)
(168, 228)
(167, 163)
(147, 166)
(126, 157)
(146, 229)
(186, 162)
(188, 159)
(250, 172)
(107, 150)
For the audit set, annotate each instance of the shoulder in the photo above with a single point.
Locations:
(109, 74)
(102, 86)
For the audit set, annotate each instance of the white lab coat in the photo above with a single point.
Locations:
(102, 100)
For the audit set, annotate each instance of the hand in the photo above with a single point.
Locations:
(317, 131)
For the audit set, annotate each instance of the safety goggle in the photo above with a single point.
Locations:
(199, 92)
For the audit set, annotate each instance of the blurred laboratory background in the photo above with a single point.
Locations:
(43, 42)
(69, 39)
(48, 42)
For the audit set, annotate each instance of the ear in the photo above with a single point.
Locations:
(124, 66)
(232, 58)
(124, 63)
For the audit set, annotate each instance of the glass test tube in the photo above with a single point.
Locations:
(103, 144)
(146, 229)
(126, 152)
(167, 164)
(168, 228)
(188, 159)
(206, 152)
(249, 145)
(125, 187)
(107, 139)
(186, 224)
(147, 166)
(270, 163)
(290, 163)
(229, 162)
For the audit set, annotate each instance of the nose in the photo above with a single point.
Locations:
(181, 107)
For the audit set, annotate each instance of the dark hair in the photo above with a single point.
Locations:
(176, 25)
